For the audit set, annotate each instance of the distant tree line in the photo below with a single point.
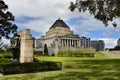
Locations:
(115, 48)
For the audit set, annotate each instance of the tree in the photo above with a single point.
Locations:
(102, 10)
(45, 50)
(115, 48)
(6, 21)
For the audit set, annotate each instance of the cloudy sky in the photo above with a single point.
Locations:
(39, 15)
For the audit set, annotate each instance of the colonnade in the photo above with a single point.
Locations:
(70, 42)
(85, 42)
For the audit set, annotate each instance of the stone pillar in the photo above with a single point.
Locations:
(26, 47)
(79, 43)
(85, 43)
(76, 43)
(61, 42)
(73, 43)
(70, 42)
(67, 43)
(56, 47)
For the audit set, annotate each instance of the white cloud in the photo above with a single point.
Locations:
(48, 10)
(107, 34)
(109, 42)
(4, 41)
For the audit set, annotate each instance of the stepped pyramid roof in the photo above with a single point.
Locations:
(59, 23)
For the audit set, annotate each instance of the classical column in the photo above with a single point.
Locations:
(76, 42)
(61, 42)
(68, 42)
(79, 43)
(65, 41)
(85, 43)
(72, 42)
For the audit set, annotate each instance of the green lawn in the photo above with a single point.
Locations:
(75, 68)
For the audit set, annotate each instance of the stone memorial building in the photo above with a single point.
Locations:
(61, 38)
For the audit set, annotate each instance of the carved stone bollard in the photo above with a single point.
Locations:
(26, 46)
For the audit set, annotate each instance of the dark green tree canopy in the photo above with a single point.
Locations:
(46, 50)
(115, 48)
(6, 19)
(103, 10)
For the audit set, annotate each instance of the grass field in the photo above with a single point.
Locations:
(75, 68)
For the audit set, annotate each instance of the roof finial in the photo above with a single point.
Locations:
(59, 18)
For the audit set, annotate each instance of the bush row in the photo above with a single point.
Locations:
(4, 60)
(6, 55)
(75, 54)
(18, 68)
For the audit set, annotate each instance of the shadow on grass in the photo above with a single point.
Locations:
(85, 76)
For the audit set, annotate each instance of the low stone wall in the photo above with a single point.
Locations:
(75, 49)
(112, 53)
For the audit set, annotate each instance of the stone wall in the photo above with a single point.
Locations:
(75, 49)
(26, 46)
(58, 31)
(112, 53)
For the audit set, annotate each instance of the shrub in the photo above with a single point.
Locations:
(2, 51)
(4, 61)
(46, 50)
(75, 54)
(17, 68)
(6, 55)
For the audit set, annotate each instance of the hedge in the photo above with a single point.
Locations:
(76, 54)
(6, 55)
(18, 68)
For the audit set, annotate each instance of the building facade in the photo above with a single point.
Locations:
(98, 45)
(61, 38)
(118, 42)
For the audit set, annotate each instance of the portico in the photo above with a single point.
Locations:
(69, 42)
